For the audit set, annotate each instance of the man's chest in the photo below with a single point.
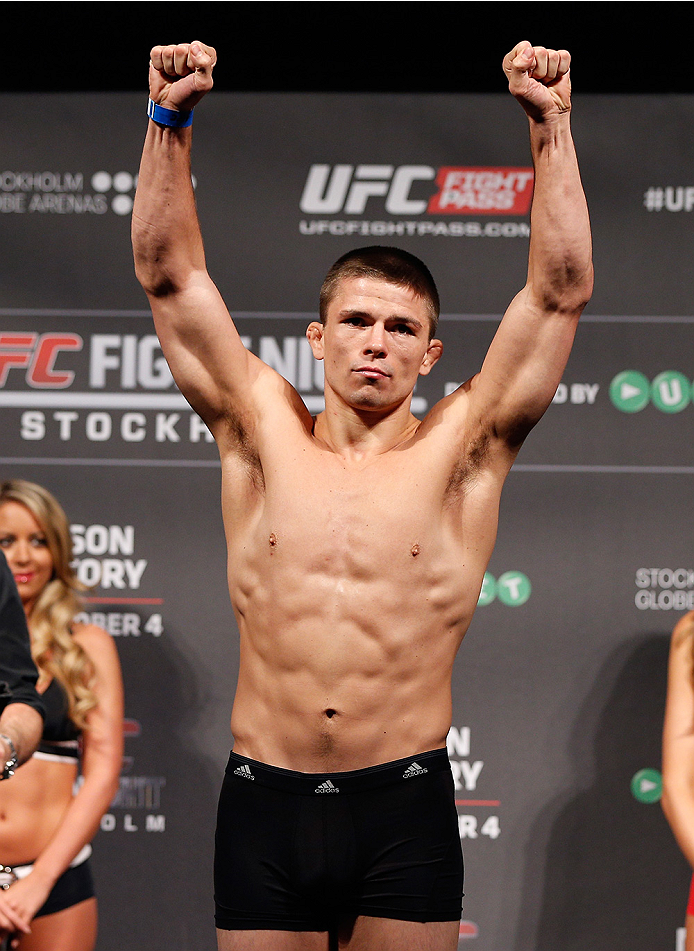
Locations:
(325, 516)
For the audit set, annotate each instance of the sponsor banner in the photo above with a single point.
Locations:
(356, 190)
(69, 391)
(99, 395)
(347, 189)
(670, 391)
(483, 191)
(138, 804)
(66, 193)
(478, 814)
(512, 588)
(647, 786)
(559, 686)
(389, 231)
(664, 589)
(669, 198)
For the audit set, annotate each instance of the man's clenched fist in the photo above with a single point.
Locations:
(539, 79)
(181, 74)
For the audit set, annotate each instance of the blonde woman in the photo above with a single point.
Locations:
(678, 749)
(45, 825)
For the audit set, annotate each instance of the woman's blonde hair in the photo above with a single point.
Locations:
(55, 651)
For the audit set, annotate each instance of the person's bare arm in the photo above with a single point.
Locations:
(102, 759)
(678, 738)
(526, 359)
(23, 725)
(211, 366)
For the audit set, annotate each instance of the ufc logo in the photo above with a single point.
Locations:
(37, 354)
(329, 190)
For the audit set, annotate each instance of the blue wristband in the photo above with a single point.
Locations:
(169, 117)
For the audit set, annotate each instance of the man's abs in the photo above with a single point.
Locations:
(312, 721)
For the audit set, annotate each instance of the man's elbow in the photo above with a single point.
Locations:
(569, 291)
(154, 280)
(154, 277)
(149, 256)
(585, 285)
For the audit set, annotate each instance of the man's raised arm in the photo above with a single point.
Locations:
(529, 352)
(206, 356)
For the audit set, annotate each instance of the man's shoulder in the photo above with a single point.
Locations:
(271, 410)
(467, 438)
(450, 413)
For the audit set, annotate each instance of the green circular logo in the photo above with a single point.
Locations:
(630, 391)
(671, 391)
(488, 592)
(647, 786)
(513, 588)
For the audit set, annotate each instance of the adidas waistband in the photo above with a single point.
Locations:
(331, 784)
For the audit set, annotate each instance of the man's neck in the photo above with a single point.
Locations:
(358, 434)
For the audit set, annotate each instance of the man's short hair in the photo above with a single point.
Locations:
(383, 264)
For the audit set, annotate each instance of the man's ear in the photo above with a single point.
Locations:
(314, 335)
(431, 357)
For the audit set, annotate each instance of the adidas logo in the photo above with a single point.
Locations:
(326, 787)
(244, 772)
(414, 770)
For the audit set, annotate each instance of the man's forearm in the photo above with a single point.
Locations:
(560, 270)
(23, 725)
(167, 243)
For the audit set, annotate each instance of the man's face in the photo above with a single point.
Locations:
(375, 343)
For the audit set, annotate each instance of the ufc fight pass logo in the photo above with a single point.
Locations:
(403, 190)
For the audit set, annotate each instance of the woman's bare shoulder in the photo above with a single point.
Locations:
(97, 642)
(683, 633)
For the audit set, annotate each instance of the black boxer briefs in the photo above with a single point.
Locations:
(302, 851)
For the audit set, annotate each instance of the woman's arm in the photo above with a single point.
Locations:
(678, 738)
(101, 765)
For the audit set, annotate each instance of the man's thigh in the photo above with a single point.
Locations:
(386, 934)
(272, 940)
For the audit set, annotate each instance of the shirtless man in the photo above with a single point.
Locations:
(357, 542)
